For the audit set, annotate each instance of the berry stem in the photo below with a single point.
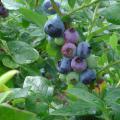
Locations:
(82, 7)
(91, 25)
(36, 3)
(56, 7)
(108, 66)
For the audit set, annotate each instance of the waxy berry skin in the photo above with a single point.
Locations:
(47, 7)
(83, 50)
(69, 50)
(54, 27)
(64, 66)
(88, 76)
(78, 64)
(71, 35)
(3, 11)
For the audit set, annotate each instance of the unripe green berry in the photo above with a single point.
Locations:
(72, 78)
(62, 77)
(59, 41)
(92, 61)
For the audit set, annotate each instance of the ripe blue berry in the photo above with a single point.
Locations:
(88, 76)
(83, 50)
(69, 50)
(71, 35)
(64, 65)
(78, 64)
(47, 7)
(54, 27)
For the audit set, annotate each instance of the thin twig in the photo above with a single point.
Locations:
(92, 22)
(82, 7)
(55, 7)
(108, 66)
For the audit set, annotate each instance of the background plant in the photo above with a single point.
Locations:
(39, 92)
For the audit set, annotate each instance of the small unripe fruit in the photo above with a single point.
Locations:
(48, 8)
(83, 50)
(69, 50)
(72, 78)
(71, 35)
(64, 66)
(54, 27)
(62, 77)
(92, 61)
(78, 64)
(59, 41)
(88, 76)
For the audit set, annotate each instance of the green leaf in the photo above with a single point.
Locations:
(9, 113)
(22, 53)
(7, 76)
(11, 4)
(113, 41)
(80, 108)
(72, 3)
(12, 94)
(37, 18)
(8, 62)
(52, 49)
(39, 85)
(86, 96)
(112, 13)
(112, 96)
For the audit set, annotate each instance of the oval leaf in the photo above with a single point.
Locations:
(22, 53)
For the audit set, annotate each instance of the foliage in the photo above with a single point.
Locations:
(36, 90)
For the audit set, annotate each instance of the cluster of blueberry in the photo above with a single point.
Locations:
(3, 10)
(77, 61)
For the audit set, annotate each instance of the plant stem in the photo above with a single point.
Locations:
(92, 23)
(82, 7)
(108, 66)
(36, 3)
(55, 7)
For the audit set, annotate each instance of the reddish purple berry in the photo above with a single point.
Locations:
(78, 64)
(83, 50)
(71, 35)
(69, 50)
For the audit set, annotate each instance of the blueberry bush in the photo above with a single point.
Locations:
(59, 60)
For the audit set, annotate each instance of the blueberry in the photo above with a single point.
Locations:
(69, 50)
(64, 65)
(3, 11)
(72, 78)
(71, 35)
(47, 7)
(88, 76)
(83, 50)
(54, 27)
(78, 64)
(92, 61)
